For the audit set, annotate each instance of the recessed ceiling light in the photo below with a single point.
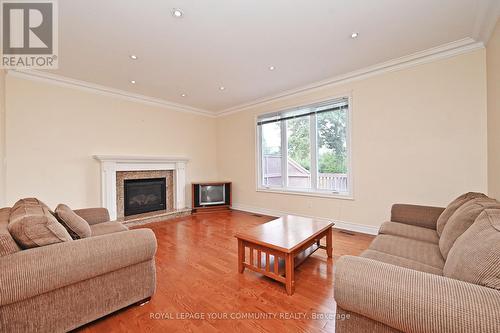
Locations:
(183, 95)
(133, 57)
(272, 68)
(222, 88)
(132, 81)
(177, 13)
(354, 35)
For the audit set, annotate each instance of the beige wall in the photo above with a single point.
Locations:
(53, 131)
(419, 136)
(493, 68)
(2, 137)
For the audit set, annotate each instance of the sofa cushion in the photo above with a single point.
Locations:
(77, 227)
(422, 252)
(475, 256)
(31, 201)
(107, 228)
(409, 231)
(32, 225)
(93, 215)
(401, 262)
(452, 208)
(461, 220)
(7, 244)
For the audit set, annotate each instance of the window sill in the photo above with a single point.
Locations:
(306, 193)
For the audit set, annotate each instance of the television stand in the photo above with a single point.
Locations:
(207, 210)
(211, 197)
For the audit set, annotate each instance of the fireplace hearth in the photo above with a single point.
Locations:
(144, 195)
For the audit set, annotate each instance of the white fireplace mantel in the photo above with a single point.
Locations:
(110, 164)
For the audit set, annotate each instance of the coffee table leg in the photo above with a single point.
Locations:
(329, 245)
(241, 256)
(289, 273)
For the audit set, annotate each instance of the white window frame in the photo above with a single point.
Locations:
(314, 191)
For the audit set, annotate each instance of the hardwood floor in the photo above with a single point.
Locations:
(199, 288)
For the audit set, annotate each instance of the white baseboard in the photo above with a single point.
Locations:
(365, 229)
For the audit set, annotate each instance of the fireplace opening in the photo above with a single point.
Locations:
(144, 195)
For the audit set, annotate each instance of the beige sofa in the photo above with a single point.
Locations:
(429, 270)
(61, 286)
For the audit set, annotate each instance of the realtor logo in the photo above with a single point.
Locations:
(29, 34)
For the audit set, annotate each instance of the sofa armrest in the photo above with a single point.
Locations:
(414, 301)
(421, 216)
(93, 215)
(39, 270)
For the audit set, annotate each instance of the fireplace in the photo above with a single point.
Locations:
(116, 168)
(144, 195)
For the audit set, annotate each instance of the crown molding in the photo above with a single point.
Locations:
(486, 19)
(433, 54)
(104, 90)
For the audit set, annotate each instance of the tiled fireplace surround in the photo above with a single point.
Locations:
(121, 176)
(115, 169)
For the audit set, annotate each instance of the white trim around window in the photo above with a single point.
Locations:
(313, 191)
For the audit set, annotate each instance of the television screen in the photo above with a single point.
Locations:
(212, 194)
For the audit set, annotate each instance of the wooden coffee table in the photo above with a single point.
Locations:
(277, 247)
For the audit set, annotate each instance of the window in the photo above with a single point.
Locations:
(306, 149)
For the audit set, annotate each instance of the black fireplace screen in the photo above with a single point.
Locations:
(144, 195)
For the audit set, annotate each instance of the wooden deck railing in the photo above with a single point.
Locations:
(299, 177)
(333, 181)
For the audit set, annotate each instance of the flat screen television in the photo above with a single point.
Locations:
(212, 194)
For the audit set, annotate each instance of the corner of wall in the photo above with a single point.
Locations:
(2, 137)
(493, 107)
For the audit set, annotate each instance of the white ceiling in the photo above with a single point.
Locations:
(232, 43)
